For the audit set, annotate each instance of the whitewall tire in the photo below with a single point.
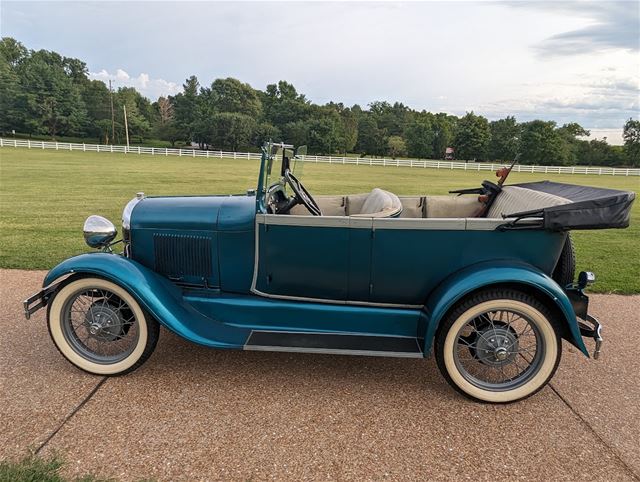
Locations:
(100, 328)
(498, 346)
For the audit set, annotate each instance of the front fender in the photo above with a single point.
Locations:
(161, 298)
(484, 275)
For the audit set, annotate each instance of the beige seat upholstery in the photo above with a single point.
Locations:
(413, 206)
(377, 204)
(452, 206)
(514, 199)
(329, 205)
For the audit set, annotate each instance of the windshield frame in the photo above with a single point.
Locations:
(273, 156)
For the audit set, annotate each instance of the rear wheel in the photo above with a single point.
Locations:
(100, 328)
(498, 346)
(565, 269)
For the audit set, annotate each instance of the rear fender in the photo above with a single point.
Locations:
(161, 298)
(484, 275)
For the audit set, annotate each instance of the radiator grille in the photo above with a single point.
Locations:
(183, 256)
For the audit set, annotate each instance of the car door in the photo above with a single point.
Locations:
(304, 257)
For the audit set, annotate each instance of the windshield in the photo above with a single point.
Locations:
(278, 158)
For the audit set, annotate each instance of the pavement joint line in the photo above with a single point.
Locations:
(70, 416)
(592, 430)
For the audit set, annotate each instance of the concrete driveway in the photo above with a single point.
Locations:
(194, 413)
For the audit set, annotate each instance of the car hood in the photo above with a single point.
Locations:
(194, 213)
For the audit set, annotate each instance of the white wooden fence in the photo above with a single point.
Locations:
(465, 166)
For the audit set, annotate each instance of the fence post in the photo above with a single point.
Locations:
(193, 153)
(166, 151)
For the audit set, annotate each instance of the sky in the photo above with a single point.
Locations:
(551, 60)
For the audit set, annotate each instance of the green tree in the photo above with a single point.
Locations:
(230, 130)
(349, 130)
(443, 133)
(598, 153)
(505, 139)
(138, 108)
(371, 140)
(186, 107)
(295, 132)
(96, 98)
(542, 144)
(472, 137)
(396, 147)
(12, 98)
(283, 105)
(419, 137)
(231, 95)
(264, 132)
(570, 134)
(631, 136)
(53, 104)
(391, 119)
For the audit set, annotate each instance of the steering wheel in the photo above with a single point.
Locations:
(301, 194)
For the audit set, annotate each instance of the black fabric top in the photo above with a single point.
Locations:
(588, 207)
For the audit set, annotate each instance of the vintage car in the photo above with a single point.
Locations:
(484, 278)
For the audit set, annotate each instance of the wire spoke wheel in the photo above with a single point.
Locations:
(99, 327)
(498, 345)
(498, 350)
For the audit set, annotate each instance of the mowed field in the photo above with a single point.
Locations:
(46, 195)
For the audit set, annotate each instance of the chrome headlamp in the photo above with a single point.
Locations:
(128, 209)
(98, 231)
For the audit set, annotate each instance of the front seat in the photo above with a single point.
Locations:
(377, 204)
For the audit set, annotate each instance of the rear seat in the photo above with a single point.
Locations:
(514, 199)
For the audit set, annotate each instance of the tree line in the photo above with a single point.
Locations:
(45, 93)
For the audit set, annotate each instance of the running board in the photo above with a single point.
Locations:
(335, 344)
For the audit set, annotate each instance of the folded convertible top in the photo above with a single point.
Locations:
(583, 207)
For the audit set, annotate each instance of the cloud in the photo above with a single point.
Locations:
(151, 88)
(611, 25)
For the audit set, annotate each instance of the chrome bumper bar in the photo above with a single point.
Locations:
(594, 331)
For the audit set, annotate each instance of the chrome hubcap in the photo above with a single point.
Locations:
(103, 321)
(497, 344)
(501, 353)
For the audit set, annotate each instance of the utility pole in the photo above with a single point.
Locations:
(126, 125)
(113, 117)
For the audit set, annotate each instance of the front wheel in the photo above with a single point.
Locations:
(498, 346)
(100, 328)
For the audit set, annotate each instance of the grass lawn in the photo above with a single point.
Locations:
(38, 469)
(46, 195)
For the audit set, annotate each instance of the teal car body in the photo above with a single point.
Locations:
(215, 269)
